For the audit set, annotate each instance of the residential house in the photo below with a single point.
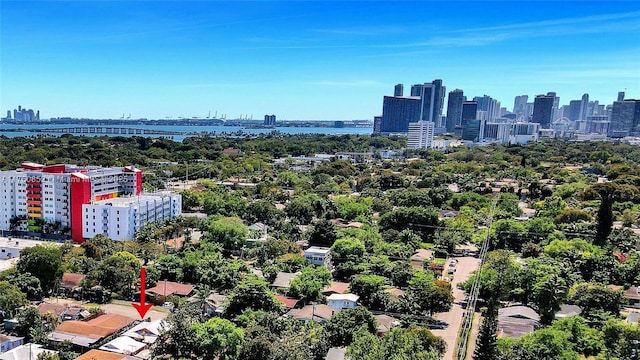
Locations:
(25, 352)
(395, 293)
(319, 256)
(319, 313)
(632, 295)
(516, 321)
(289, 303)
(124, 345)
(283, 280)
(567, 310)
(159, 293)
(343, 301)
(231, 152)
(386, 323)
(9, 342)
(64, 311)
(146, 331)
(86, 333)
(71, 281)
(420, 256)
(212, 305)
(96, 354)
(335, 287)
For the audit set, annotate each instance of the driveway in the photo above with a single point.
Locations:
(466, 265)
(126, 309)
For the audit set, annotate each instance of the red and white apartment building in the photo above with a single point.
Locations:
(87, 200)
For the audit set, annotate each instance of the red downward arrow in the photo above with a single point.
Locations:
(142, 307)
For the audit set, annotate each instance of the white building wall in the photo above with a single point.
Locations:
(122, 218)
(420, 135)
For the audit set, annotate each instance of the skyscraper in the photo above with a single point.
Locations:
(575, 110)
(543, 110)
(269, 120)
(377, 124)
(488, 104)
(584, 107)
(416, 90)
(398, 90)
(520, 107)
(432, 98)
(469, 111)
(425, 103)
(454, 109)
(398, 112)
(625, 118)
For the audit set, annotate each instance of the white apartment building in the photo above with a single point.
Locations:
(420, 135)
(121, 218)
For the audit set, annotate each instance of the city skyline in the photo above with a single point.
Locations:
(305, 60)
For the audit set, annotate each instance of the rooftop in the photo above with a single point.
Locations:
(343, 297)
(336, 287)
(318, 250)
(25, 352)
(128, 200)
(99, 354)
(169, 287)
(283, 279)
(71, 280)
(123, 345)
(320, 312)
(88, 332)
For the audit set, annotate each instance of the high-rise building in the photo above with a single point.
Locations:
(473, 130)
(543, 110)
(575, 110)
(269, 120)
(66, 195)
(620, 95)
(398, 90)
(21, 114)
(433, 102)
(420, 135)
(584, 107)
(469, 111)
(425, 103)
(625, 118)
(398, 112)
(520, 107)
(454, 109)
(490, 105)
(377, 124)
(416, 90)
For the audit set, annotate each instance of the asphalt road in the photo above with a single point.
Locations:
(453, 317)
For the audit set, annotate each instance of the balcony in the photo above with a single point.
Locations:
(34, 208)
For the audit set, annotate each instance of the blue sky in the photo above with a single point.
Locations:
(305, 59)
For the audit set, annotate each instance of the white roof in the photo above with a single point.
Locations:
(342, 297)
(146, 331)
(318, 250)
(123, 345)
(22, 352)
